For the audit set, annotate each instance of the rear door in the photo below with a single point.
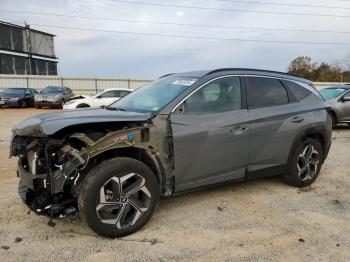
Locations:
(211, 140)
(275, 121)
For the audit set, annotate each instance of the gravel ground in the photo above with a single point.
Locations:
(262, 220)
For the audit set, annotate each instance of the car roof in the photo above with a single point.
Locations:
(244, 71)
(117, 88)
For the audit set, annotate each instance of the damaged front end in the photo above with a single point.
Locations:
(57, 150)
(48, 170)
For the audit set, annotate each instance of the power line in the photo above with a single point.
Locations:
(229, 9)
(285, 4)
(177, 24)
(197, 37)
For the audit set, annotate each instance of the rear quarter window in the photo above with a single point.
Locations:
(299, 92)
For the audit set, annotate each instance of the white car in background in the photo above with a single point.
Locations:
(104, 98)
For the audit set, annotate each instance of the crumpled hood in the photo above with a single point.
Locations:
(47, 124)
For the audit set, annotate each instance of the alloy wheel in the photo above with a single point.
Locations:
(308, 162)
(123, 200)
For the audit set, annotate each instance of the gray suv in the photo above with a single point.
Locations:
(182, 132)
(338, 97)
(53, 96)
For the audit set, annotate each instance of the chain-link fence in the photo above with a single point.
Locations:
(79, 85)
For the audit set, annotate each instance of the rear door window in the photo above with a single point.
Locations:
(265, 92)
(107, 94)
(123, 93)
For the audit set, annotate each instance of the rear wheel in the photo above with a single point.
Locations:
(118, 197)
(23, 104)
(334, 118)
(82, 105)
(306, 163)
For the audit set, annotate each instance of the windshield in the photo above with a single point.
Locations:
(329, 93)
(52, 89)
(14, 91)
(156, 95)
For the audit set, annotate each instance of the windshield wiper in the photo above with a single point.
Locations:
(113, 108)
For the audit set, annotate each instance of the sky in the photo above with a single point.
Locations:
(110, 54)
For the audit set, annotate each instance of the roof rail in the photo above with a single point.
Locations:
(166, 75)
(249, 69)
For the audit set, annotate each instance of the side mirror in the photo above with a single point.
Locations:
(346, 98)
(181, 110)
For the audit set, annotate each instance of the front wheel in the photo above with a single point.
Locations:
(118, 197)
(306, 163)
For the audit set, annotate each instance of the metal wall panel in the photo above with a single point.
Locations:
(11, 38)
(79, 85)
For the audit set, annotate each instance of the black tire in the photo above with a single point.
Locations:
(82, 105)
(334, 118)
(99, 178)
(23, 104)
(299, 179)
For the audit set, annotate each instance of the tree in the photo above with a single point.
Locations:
(328, 73)
(303, 67)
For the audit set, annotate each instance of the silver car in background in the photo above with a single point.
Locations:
(53, 96)
(338, 97)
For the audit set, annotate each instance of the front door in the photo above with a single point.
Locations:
(105, 99)
(211, 138)
(344, 107)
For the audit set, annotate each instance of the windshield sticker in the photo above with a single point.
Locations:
(184, 82)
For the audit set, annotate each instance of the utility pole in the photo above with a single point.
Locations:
(341, 78)
(30, 51)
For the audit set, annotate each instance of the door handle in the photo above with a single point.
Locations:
(297, 119)
(238, 130)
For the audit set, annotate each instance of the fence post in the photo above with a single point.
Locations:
(62, 82)
(96, 88)
(27, 78)
(129, 83)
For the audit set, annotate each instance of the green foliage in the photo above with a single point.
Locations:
(304, 67)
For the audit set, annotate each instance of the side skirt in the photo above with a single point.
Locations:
(252, 175)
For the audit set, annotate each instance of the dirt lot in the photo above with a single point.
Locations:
(263, 220)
